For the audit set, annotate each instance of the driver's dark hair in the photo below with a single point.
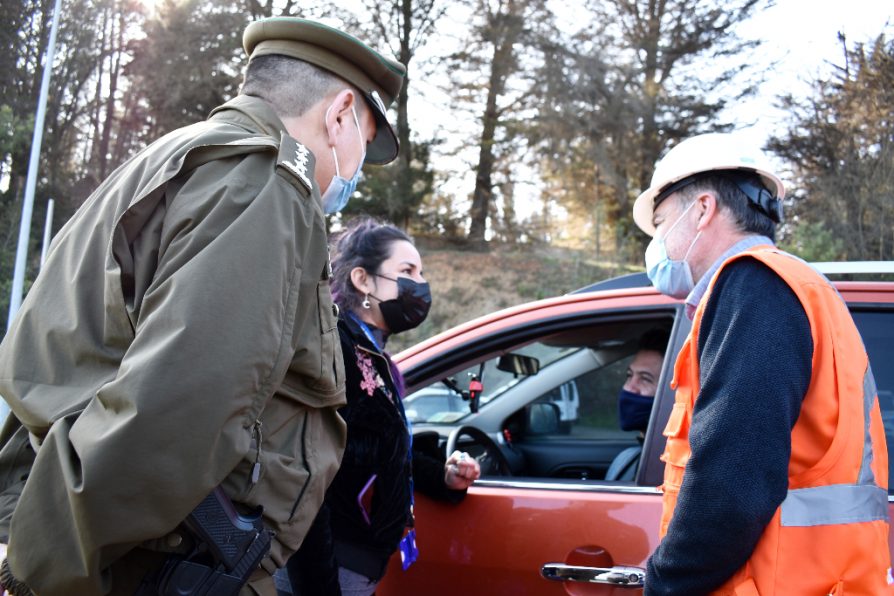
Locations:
(365, 242)
(654, 340)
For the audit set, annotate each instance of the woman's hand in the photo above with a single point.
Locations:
(461, 470)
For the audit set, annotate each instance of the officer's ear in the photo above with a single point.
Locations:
(339, 116)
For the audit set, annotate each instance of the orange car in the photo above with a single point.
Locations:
(567, 502)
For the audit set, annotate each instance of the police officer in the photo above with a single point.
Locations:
(776, 468)
(181, 335)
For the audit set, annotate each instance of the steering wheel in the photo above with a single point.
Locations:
(493, 462)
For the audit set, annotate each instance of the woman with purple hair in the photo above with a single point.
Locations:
(378, 286)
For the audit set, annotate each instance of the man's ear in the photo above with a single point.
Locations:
(361, 280)
(339, 115)
(707, 204)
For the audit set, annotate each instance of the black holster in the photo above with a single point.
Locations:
(229, 548)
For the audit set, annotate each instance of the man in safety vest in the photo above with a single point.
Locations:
(776, 468)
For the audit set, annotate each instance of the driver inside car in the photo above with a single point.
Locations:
(635, 400)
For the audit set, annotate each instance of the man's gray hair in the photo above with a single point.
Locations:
(744, 212)
(291, 86)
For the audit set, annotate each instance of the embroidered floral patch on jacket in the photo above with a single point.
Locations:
(371, 378)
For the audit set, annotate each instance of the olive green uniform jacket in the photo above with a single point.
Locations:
(180, 331)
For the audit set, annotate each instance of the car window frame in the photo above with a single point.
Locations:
(873, 307)
(501, 340)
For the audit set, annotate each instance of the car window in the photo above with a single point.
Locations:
(588, 404)
(428, 402)
(876, 328)
(447, 401)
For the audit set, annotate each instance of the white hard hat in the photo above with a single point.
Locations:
(703, 153)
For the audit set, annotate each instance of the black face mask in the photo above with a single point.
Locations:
(634, 410)
(410, 308)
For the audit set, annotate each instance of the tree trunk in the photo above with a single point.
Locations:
(116, 50)
(504, 37)
(482, 196)
(405, 157)
(96, 116)
(651, 145)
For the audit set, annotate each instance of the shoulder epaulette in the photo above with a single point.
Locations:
(296, 159)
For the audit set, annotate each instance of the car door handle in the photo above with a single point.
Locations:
(621, 577)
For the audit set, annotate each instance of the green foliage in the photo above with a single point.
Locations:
(466, 284)
(15, 138)
(573, 115)
(8, 231)
(15, 131)
(493, 75)
(813, 242)
(630, 83)
(393, 194)
(840, 143)
(189, 62)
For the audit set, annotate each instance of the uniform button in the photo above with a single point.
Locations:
(334, 310)
(173, 540)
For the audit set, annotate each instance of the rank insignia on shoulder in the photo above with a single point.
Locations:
(296, 159)
(327, 271)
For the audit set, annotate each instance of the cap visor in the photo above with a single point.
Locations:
(385, 146)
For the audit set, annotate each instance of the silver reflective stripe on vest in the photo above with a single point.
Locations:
(842, 503)
(834, 504)
(869, 394)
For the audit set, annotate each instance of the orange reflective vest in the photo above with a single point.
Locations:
(830, 534)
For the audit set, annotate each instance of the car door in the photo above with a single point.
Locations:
(507, 531)
(876, 325)
(511, 532)
(500, 538)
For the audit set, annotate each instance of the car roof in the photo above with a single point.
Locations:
(567, 304)
(632, 290)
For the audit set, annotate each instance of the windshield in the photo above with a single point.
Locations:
(443, 402)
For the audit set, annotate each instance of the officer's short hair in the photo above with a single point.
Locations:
(291, 86)
(747, 217)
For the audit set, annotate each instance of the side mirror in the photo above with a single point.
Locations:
(518, 364)
(543, 418)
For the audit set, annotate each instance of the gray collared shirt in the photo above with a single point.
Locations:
(695, 296)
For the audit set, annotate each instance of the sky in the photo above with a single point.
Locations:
(801, 38)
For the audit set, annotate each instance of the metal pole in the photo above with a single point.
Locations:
(47, 232)
(18, 279)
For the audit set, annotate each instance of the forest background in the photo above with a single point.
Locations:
(527, 126)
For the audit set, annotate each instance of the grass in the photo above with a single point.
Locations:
(466, 284)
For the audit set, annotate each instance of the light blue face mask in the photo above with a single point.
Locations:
(339, 191)
(672, 278)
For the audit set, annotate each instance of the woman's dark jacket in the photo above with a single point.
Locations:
(377, 444)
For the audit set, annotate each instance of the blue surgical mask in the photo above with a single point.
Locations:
(673, 278)
(634, 410)
(339, 191)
